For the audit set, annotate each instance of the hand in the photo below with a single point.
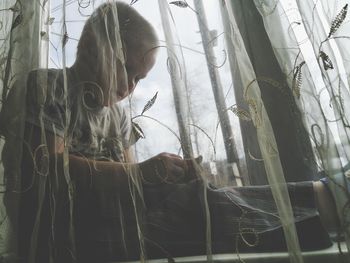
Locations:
(168, 168)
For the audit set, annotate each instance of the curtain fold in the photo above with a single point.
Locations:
(289, 65)
(266, 139)
(292, 138)
(21, 46)
(256, 174)
(311, 51)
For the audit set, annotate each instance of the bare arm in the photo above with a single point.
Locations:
(102, 175)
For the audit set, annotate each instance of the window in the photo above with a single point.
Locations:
(258, 89)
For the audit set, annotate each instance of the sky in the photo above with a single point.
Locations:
(158, 137)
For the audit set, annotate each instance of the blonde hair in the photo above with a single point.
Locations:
(113, 30)
(102, 28)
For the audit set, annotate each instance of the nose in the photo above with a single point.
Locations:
(131, 84)
(127, 88)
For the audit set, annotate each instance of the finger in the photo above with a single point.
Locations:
(169, 164)
(172, 159)
(192, 168)
(174, 156)
(199, 159)
(176, 175)
(178, 162)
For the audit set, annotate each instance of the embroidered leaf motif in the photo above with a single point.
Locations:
(137, 131)
(150, 103)
(271, 148)
(297, 80)
(182, 4)
(317, 136)
(339, 19)
(14, 9)
(44, 36)
(133, 2)
(50, 21)
(3, 61)
(255, 112)
(18, 20)
(240, 113)
(272, 82)
(214, 37)
(65, 39)
(327, 63)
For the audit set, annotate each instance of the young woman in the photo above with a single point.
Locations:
(83, 198)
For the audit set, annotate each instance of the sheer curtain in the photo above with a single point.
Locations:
(283, 83)
(300, 34)
(265, 136)
(312, 55)
(23, 47)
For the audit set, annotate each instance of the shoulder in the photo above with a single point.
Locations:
(43, 76)
(123, 115)
(44, 85)
(120, 112)
(46, 102)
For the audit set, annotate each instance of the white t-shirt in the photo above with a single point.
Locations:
(99, 133)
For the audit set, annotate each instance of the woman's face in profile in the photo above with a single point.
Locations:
(137, 66)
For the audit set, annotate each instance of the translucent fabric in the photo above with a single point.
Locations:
(78, 137)
(321, 87)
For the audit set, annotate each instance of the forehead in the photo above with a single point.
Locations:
(141, 55)
(140, 43)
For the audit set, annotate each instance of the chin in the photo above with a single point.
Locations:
(119, 98)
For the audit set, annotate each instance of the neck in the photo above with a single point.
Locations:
(93, 76)
(85, 72)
